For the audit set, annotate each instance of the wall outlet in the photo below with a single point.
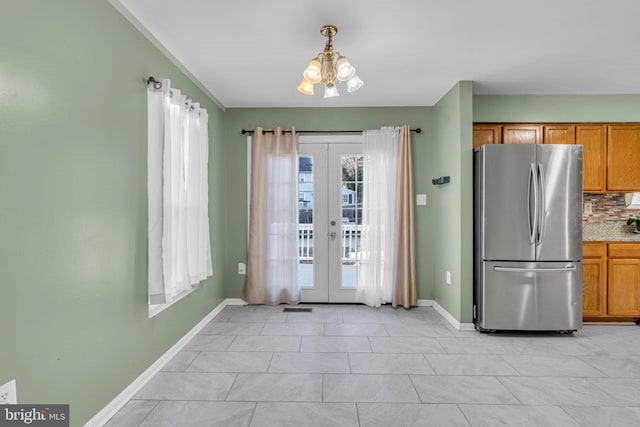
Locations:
(8, 394)
(448, 277)
(242, 268)
(421, 199)
(588, 207)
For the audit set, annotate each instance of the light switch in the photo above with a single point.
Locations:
(421, 199)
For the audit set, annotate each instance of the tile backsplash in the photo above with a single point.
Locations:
(606, 208)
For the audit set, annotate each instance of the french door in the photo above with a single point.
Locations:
(330, 218)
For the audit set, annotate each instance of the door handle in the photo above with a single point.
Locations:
(534, 270)
(533, 222)
(333, 235)
(542, 208)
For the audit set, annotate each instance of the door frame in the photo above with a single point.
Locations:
(331, 277)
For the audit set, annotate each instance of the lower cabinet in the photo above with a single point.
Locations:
(594, 280)
(611, 281)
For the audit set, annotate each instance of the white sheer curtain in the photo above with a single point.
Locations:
(178, 201)
(272, 263)
(380, 157)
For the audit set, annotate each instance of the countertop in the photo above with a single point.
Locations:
(609, 232)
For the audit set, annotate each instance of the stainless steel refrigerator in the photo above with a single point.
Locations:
(528, 237)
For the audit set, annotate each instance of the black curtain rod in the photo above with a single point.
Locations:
(250, 132)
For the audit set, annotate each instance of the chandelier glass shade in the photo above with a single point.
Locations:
(329, 68)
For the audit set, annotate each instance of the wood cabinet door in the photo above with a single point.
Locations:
(522, 134)
(486, 134)
(594, 280)
(593, 139)
(559, 134)
(624, 287)
(623, 158)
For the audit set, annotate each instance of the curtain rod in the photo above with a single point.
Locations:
(250, 132)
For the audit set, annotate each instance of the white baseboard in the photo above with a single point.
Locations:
(447, 316)
(121, 399)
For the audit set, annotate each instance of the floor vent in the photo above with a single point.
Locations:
(297, 310)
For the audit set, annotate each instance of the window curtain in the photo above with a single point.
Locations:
(387, 270)
(404, 275)
(178, 203)
(272, 262)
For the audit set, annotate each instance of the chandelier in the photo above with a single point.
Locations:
(329, 68)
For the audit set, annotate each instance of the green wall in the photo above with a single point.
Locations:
(319, 119)
(451, 204)
(556, 108)
(73, 210)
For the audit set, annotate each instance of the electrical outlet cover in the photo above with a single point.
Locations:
(8, 395)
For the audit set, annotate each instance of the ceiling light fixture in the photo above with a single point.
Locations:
(329, 68)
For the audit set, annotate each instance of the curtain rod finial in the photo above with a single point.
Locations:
(157, 84)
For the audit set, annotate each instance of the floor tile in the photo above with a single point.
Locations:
(231, 361)
(466, 364)
(187, 386)
(472, 345)
(517, 415)
(214, 328)
(277, 388)
(355, 365)
(368, 388)
(355, 330)
(551, 366)
(556, 391)
(383, 363)
(410, 414)
(461, 389)
(320, 363)
(209, 343)
(293, 329)
(371, 316)
(405, 345)
(199, 414)
(258, 317)
(597, 416)
(326, 317)
(619, 367)
(180, 361)
(421, 330)
(626, 391)
(270, 414)
(265, 343)
(132, 414)
(335, 344)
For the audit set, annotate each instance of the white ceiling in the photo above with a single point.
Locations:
(251, 53)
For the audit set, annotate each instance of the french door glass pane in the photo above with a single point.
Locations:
(305, 220)
(351, 206)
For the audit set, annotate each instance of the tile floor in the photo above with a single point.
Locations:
(351, 365)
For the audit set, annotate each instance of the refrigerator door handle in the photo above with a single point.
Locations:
(542, 207)
(534, 270)
(532, 222)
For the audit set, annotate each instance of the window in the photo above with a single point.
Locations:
(178, 217)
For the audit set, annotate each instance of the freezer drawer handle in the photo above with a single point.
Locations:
(533, 270)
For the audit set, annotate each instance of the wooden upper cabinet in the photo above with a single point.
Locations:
(486, 134)
(593, 138)
(623, 158)
(522, 134)
(559, 134)
(594, 280)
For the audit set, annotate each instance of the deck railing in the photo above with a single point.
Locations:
(350, 242)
